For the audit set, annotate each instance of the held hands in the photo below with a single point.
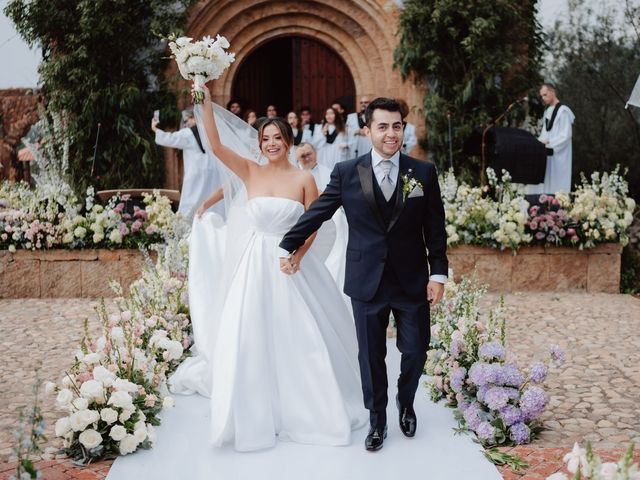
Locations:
(201, 210)
(290, 265)
(154, 124)
(435, 291)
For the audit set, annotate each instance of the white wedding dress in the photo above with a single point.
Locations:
(279, 358)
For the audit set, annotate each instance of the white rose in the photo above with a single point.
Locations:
(82, 419)
(125, 385)
(92, 358)
(118, 432)
(64, 398)
(62, 427)
(126, 414)
(102, 374)
(128, 445)
(50, 388)
(98, 237)
(109, 415)
(12, 248)
(90, 439)
(121, 399)
(66, 381)
(92, 390)
(140, 434)
(167, 402)
(81, 403)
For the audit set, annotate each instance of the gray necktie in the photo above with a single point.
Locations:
(386, 185)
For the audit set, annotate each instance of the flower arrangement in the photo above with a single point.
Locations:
(34, 220)
(498, 214)
(469, 367)
(600, 208)
(201, 61)
(585, 465)
(117, 386)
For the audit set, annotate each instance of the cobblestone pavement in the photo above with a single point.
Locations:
(592, 397)
(37, 333)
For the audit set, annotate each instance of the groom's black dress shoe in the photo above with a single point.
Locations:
(375, 439)
(408, 420)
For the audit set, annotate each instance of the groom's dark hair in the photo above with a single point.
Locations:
(381, 103)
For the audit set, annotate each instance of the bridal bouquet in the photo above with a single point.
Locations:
(201, 61)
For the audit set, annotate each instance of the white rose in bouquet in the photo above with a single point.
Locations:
(80, 403)
(124, 385)
(140, 434)
(126, 414)
(121, 399)
(92, 390)
(92, 358)
(118, 432)
(64, 398)
(167, 402)
(50, 388)
(90, 439)
(128, 445)
(62, 427)
(101, 374)
(174, 349)
(82, 419)
(109, 415)
(151, 434)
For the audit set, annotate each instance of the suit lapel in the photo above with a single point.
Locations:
(365, 172)
(399, 205)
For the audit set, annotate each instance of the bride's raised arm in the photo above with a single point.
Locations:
(240, 165)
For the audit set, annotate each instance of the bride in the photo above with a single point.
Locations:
(276, 353)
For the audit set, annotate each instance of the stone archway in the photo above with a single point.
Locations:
(362, 32)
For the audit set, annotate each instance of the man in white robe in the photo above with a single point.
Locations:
(359, 143)
(556, 134)
(201, 177)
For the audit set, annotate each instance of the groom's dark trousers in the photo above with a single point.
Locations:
(387, 267)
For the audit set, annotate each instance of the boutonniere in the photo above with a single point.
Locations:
(410, 186)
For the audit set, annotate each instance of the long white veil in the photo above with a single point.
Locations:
(216, 244)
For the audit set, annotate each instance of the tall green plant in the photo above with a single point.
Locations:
(475, 58)
(102, 64)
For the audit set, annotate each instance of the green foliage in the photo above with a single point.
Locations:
(475, 59)
(596, 61)
(102, 64)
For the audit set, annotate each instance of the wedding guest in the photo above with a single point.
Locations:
(331, 139)
(250, 117)
(235, 107)
(556, 134)
(299, 134)
(201, 175)
(272, 112)
(410, 139)
(359, 144)
(340, 108)
(306, 122)
(307, 160)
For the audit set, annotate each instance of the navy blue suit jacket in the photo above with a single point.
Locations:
(417, 226)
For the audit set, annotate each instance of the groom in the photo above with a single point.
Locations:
(396, 237)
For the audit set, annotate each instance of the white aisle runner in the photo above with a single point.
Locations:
(183, 451)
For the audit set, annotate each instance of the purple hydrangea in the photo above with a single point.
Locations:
(557, 355)
(513, 393)
(482, 373)
(482, 391)
(510, 415)
(496, 398)
(457, 379)
(491, 351)
(510, 375)
(520, 433)
(538, 372)
(485, 431)
(472, 415)
(532, 403)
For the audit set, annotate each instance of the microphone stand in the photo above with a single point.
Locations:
(484, 134)
(95, 150)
